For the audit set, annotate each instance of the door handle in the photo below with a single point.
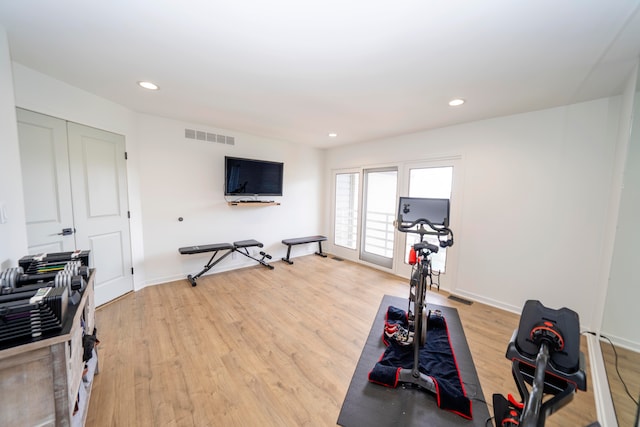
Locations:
(67, 231)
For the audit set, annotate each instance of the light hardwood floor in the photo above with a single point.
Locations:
(259, 347)
(629, 368)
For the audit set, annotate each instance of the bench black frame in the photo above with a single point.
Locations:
(239, 246)
(302, 241)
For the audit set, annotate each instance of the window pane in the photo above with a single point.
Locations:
(432, 183)
(346, 222)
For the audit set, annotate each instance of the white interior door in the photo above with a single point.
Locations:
(99, 186)
(46, 182)
(75, 178)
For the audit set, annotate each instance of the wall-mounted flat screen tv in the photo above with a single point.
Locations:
(248, 177)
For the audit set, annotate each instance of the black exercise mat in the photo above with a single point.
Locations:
(368, 404)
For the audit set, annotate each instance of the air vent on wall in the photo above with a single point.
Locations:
(209, 137)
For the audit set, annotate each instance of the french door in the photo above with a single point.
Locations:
(369, 233)
(430, 179)
(378, 214)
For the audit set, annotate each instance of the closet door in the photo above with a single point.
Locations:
(46, 183)
(100, 206)
(75, 189)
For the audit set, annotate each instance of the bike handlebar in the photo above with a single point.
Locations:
(436, 230)
(405, 226)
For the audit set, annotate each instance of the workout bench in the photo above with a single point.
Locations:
(301, 241)
(241, 247)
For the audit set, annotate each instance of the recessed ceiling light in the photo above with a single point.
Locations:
(456, 102)
(148, 85)
(333, 135)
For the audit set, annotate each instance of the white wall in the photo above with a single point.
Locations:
(13, 233)
(621, 315)
(183, 177)
(534, 200)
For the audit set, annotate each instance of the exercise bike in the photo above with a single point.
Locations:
(413, 214)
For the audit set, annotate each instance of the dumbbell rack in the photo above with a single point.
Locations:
(42, 314)
(49, 372)
(34, 296)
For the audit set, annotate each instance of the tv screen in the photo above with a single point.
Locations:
(247, 177)
(415, 208)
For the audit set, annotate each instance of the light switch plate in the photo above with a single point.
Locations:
(3, 213)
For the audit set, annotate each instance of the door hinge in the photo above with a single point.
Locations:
(129, 214)
(126, 156)
(131, 270)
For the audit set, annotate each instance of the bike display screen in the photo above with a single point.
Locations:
(436, 211)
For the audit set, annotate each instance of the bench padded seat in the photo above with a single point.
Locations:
(247, 244)
(303, 240)
(189, 250)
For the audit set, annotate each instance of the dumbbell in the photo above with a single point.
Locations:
(76, 268)
(68, 280)
(73, 275)
(11, 277)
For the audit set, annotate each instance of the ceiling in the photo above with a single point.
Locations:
(296, 70)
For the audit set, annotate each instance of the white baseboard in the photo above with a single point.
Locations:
(488, 301)
(622, 342)
(604, 403)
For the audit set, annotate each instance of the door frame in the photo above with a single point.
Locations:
(449, 280)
